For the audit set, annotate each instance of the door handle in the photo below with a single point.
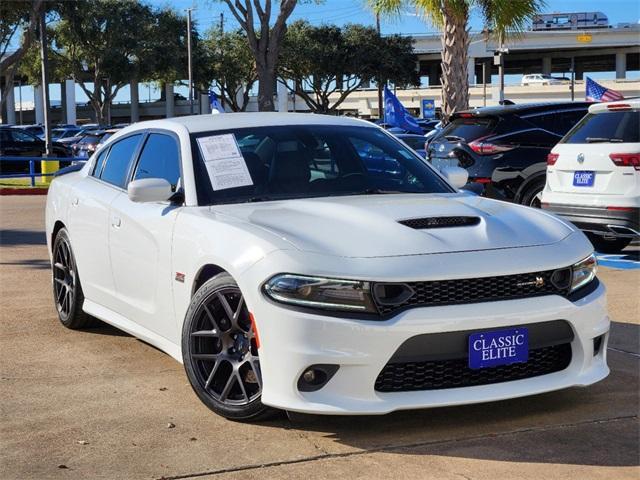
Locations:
(115, 222)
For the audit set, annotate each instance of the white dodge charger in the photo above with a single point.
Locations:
(317, 264)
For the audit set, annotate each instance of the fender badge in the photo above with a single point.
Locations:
(179, 277)
(538, 283)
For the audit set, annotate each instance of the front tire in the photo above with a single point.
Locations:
(220, 353)
(608, 245)
(67, 291)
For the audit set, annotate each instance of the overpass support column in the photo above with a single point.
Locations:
(434, 78)
(70, 101)
(169, 100)
(135, 101)
(621, 65)
(11, 105)
(38, 104)
(471, 70)
(546, 65)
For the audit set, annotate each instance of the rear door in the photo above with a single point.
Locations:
(591, 157)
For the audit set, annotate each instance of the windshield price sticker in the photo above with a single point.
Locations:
(224, 162)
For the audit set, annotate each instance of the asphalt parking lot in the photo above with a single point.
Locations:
(101, 404)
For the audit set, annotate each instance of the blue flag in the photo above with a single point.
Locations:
(216, 106)
(396, 115)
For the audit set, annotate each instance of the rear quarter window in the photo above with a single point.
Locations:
(469, 128)
(609, 126)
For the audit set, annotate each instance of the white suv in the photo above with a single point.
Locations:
(540, 79)
(593, 175)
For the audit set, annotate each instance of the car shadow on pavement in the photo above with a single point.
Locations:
(13, 238)
(32, 263)
(596, 425)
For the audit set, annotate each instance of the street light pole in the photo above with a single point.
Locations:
(380, 104)
(189, 67)
(44, 66)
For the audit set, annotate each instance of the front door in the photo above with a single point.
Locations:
(141, 239)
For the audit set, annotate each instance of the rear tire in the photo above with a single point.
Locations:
(608, 245)
(532, 195)
(220, 354)
(67, 290)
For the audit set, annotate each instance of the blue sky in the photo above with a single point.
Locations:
(340, 12)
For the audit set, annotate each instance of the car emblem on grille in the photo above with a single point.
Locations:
(580, 158)
(538, 283)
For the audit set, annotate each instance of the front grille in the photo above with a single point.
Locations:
(441, 374)
(484, 289)
(440, 222)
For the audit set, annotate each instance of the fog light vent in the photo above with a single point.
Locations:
(315, 377)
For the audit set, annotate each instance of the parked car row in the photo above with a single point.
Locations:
(507, 151)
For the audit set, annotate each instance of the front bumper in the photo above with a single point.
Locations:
(292, 341)
(599, 220)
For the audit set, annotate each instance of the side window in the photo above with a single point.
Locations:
(97, 169)
(567, 120)
(159, 159)
(117, 166)
(19, 136)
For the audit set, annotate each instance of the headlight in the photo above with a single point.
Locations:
(323, 293)
(583, 272)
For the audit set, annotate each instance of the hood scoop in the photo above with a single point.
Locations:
(439, 222)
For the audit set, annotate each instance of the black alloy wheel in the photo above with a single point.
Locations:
(67, 291)
(220, 351)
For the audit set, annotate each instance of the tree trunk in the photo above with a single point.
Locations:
(266, 88)
(455, 82)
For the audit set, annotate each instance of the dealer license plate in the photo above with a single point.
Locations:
(583, 179)
(498, 347)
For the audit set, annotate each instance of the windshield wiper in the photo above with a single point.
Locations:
(379, 191)
(603, 140)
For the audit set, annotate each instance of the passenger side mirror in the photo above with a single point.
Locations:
(149, 190)
(456, 176)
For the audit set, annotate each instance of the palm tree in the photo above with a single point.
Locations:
(502, 18)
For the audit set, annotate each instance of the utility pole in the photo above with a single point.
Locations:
(573, 78)
(221, 52)
(380, 104)
(484, 83)
(44, 66)
(189, 66)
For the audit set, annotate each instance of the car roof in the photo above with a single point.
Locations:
(619, 105)
(226, 121)
(525, 108)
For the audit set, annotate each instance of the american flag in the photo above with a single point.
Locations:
(598, 93)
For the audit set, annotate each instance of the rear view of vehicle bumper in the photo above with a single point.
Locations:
(623, 222)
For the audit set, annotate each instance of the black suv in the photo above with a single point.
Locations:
(505, 148)
(16, 142)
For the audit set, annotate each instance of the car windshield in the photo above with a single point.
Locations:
(90, 139)
(303, 161)
(613, 127)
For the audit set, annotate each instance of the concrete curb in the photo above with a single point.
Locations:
(23, 191)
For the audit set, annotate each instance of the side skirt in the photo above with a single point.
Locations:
(122, 323)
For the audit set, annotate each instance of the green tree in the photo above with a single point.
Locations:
(264, 40)
(232, 66)
(502, 17)
(325, 64)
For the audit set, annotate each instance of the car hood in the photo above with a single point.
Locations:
(368, 226)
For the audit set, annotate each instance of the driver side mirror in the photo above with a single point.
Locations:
(148, 190)
(456, 176)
